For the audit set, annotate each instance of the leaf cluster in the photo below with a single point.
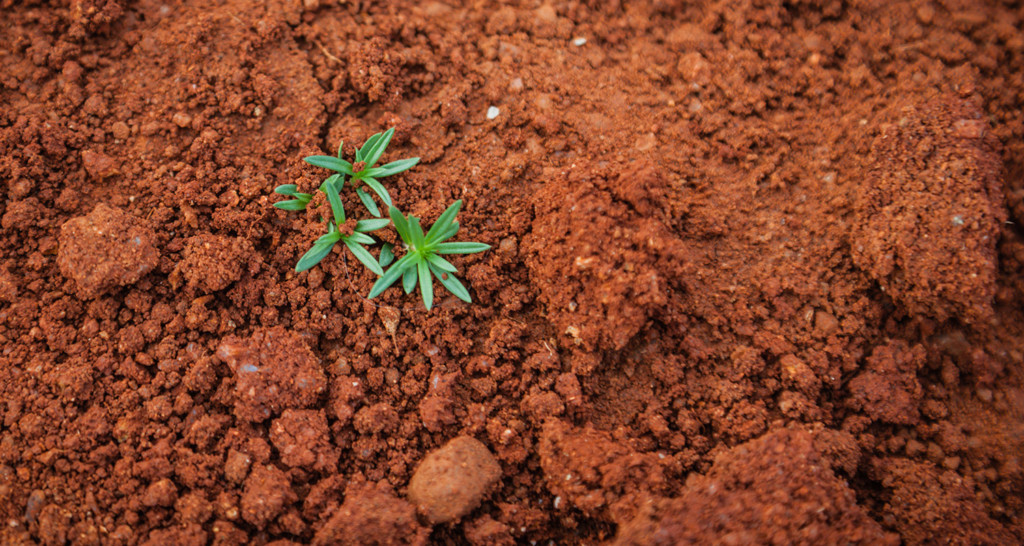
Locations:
(422, 261)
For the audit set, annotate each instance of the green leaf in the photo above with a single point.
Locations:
(287, 189)
(294, 204)
(321, 248)
(363, 256)
(444, 220)
(379, 190)
(394, 167)
(426, 287)
(386, 255)
(391, 275)
(373, 154)
(329, 162)
(416, 232)
(337, 180)
(361, 152)
(461, 248)
(340, 144)
(332, 196)
(360, 238)
(409, 280)
(401, 224)
(445, 234)
(452, 284)
(368, 202)
(372, 224)
(441, 263)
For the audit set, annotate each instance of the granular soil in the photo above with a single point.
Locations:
(757, 273)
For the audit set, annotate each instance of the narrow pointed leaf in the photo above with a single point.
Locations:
(379, 190)
(363, 256)
(368, 202)
(461, 248)
(409, 280)
(337, 180)
(372, 225)
(401, 224)
(287, 189)
(329, 162)
(361, 152)
(340, 144)
(444, 220)
(441, 263)
(361, 238)
(445, 234)
(452, 284)
(394, 167)
(294, 204)
(332, 196)
(321, 248)
(416, 232)
(426, 286)
(373, 154)
(386, 255)
(391, 275)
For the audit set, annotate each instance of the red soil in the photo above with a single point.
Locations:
(757, 273)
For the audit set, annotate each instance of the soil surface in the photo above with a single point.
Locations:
(757, 273)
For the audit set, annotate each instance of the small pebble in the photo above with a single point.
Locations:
(579, 41)
(493, 112)
(451, 481)
(181, 119)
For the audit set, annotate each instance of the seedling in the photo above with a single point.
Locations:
(422, 251)
(363, 169)
(291, 190)
(423, 258)
(354, 241)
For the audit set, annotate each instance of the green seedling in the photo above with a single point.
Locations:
(291, 190)
(422, 258)
(363, 169)
(423, 252)
(354, 241)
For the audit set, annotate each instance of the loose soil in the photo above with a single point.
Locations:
(757, 274)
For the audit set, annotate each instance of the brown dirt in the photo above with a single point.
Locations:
(757, 272)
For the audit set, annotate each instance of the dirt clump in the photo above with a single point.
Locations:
(267, 492)
(929, 502)
(372, 515)
(929, 222)
(212, 262)
(887, 389)
(303, 439)
(105, 250)
(590, 471)
(450, 481)
(274, 370)
(773, 490)
(600, 265)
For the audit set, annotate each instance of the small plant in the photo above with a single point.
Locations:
(354, 241)
(423, 256)
(364, 170)
(422, 251)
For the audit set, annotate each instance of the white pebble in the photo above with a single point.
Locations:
(579, 41)
(493, 112)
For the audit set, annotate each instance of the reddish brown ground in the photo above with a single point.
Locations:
(757, 276)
